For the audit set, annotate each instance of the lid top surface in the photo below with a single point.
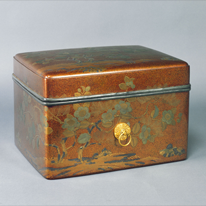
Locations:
(66, 62)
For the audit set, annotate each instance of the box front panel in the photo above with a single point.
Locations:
(77, 139)
(82, 137)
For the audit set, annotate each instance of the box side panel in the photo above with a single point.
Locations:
(30, 79)
(30, 128)
(81, 138)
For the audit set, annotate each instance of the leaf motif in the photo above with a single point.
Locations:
(77, 94)
(88, 88)
(48, 130)
(123, 86)
(100, 107)
(156, 112)
(136, 128)
(180, 115)
(170, 99)
(152, 113)
(84, 124)
(127, 79)
(132, 86)
(87, 93)
(83, 88)
(86, 104)
(132, 79)
(123, 121)
(68, 133)
(63, 96)
(76, 106)
(164, 126)
(132, 99)
(142, 100)
(134, 141)
(83, 138)
(174, 110)
(65, 110)
(162, 152)
(107, 124)
(126, 116)
(79, 90)
(69, 116)
(59, 111)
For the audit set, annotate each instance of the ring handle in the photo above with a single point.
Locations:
(121, 137)
(122, 132)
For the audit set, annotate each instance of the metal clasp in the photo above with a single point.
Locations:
(122, 132)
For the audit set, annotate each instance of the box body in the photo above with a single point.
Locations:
(77, 138)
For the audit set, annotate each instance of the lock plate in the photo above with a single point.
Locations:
(122, 132)
(122, 128)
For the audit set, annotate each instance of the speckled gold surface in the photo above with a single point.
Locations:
(78, 139)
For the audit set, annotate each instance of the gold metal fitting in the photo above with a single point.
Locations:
(122, 132)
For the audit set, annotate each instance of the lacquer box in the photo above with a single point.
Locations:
(93, 110)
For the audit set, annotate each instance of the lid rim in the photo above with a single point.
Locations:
(100, 97)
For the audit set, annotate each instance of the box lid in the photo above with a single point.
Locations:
(71, 73)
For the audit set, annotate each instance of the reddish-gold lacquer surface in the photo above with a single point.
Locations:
(61, 71)
(78, 139)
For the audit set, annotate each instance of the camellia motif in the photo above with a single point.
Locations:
(168, 116)
(109, 116)
(82, 113)
(70, 123)
(124, 107)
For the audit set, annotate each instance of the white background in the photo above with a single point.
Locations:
(177, 28)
